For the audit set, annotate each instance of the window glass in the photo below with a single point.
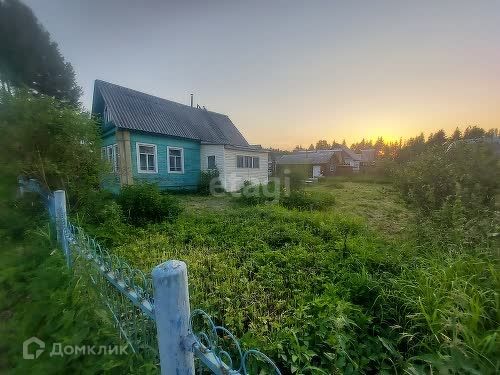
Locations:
(143, 162)
(175, 159)
(147, 158)
(151, 162)
(211, 162)
(116, 158)
(247, 161)
(256, 162)
(147, 149)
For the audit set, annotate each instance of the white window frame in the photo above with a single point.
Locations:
(137, 145)
(247, 162)
(116, 158)
(168, 159)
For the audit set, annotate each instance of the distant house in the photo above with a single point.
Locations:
(351, 159)
(150, 139)
(367, 157)
(318, 163)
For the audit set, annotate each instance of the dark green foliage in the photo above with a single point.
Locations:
(468, 172)
(144, 203)
(347, 227)
(279, 280)
(56, 144)
(305, 200)
(252, 195)
(39, 297)
(295, 178)
(319, 290)
(29, 58)
(209, 182)
(102, 217)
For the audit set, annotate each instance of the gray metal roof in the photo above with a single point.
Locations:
(309, 157)
(134, 110)
(351, 153)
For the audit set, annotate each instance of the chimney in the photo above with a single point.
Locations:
(191, 100)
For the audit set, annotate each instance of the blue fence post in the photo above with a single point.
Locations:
(171, 307)
(61, 222)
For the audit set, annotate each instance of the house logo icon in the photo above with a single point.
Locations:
(38, 344)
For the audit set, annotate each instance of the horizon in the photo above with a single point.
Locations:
(308, 72)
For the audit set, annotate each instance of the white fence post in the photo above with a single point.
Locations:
(61, 222)
(20, 182)
(172, 312)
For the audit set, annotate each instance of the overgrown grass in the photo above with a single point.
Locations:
(282, 281)
(379, 204)
(286, 282)
(40, 297)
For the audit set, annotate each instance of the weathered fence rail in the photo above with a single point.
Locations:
(151, 312)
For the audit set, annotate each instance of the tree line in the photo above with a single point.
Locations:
(402, 150)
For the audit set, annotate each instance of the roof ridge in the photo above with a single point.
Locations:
(132, 109)
(157, 97)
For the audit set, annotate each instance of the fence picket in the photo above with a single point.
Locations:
(152, 314)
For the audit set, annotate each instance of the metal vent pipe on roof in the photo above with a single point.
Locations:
(191, 100)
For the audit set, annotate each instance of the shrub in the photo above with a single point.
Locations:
(470, 172)
(93, 209)
(209, 181)
(46, 140)
(304, 200)
(144, 203)
(253, 195)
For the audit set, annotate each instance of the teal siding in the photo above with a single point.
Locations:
(110, 181)
(108, 138)
(187, 180)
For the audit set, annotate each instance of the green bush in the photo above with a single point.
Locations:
(209, 180)
(470, 172)
(252, 195)
(47, 140)
(144, 203)
(40, 297)
(304, 200)
(92, 208)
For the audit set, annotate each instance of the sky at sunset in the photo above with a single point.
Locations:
(293, 72)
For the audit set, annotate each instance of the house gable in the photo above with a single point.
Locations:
(134, 110)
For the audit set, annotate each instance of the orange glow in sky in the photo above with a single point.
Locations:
(292, 73)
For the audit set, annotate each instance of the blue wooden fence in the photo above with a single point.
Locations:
(151, 312)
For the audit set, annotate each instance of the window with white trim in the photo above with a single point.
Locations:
(175, 159)
(247, 161)
(112, 156)
(116, 158)
(146, 158)
(211, 162)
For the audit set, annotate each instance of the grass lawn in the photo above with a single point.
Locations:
(379, 204)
